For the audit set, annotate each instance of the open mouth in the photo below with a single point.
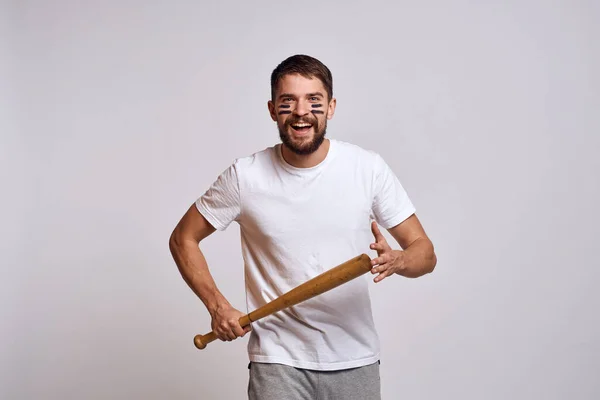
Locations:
(301, 127)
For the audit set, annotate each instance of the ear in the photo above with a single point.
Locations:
(331, 108)
(271, 107)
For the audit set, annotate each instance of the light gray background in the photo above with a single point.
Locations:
(116, 115)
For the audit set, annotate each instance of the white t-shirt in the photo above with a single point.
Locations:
(296, 223)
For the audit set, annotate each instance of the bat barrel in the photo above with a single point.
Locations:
(320, 284)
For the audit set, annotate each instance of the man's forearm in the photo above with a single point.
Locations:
(419, 259)
(194, 269)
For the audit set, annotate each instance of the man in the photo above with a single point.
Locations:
(303, 206)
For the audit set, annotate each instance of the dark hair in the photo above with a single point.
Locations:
(308, 67)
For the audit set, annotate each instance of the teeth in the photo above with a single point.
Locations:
(302, 125)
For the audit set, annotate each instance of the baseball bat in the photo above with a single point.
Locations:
(320, 284)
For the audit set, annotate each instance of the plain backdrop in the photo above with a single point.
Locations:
(116, 115)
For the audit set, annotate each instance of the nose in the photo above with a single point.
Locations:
(302, 108)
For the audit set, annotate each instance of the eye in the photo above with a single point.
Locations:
(314, 98)
(288, 99)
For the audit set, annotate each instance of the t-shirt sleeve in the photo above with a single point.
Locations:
(391, 204)
(220, 204)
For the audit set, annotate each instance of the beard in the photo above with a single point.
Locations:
(305, 146)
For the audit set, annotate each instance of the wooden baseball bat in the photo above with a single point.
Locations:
(319, 284)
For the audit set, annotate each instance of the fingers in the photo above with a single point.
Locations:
(381, 267)
(237, 329)
(383, 257)
(379, 260)
(387, 264)
(384, 274)
(230, 329)
(224, 331)
(380, 247)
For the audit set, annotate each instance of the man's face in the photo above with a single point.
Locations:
(301, 109)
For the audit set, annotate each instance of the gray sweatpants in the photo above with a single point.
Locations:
(282, 382)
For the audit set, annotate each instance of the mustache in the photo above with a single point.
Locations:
(294, 119)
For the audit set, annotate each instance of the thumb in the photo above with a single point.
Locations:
(376, 231)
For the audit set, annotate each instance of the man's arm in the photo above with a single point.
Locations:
(184, 245)
(417, 257)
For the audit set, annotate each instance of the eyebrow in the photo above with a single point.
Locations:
(286, 95)
(315, 94)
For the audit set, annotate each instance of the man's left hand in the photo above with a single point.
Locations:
(388, 261)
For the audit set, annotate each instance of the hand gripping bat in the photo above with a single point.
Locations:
(318, 285)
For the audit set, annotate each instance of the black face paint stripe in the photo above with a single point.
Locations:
(317, 112)
(317, 105)
(284, 112)
(284, 106)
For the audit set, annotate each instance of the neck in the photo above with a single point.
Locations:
(307, 160)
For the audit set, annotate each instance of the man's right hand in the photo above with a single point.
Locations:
(225, 323)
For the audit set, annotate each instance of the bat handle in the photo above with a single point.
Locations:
(201, 341)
